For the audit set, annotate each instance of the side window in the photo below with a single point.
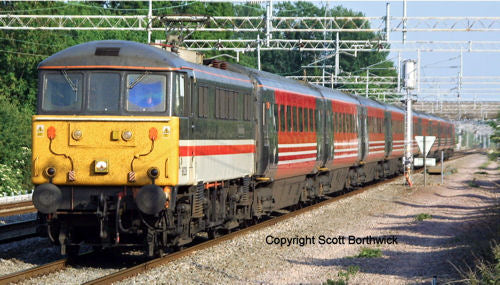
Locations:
(230, 104)
(317, 120)
(248, 107)
(294, 118)
(235, 105)
(301, 120)
(289, 118)
(282, 118)
(223, 104)
(275, 117)
(311, 120)
(178, 89)
(306, 119)
(201, 100)
(335, 122)
(218, 103)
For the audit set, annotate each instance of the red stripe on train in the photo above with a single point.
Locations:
(215, 149)
(299, 156)
(292, 149)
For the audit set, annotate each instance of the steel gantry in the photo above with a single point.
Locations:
(255, 24)
(270, 32)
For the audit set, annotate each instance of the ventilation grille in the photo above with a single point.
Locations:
(107, 51)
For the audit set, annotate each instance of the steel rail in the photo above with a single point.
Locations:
(43, 269)
(17, 208)
(135, 270)
(17, 231)
(34, 272)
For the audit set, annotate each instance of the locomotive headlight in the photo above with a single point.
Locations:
(50, 171)
(101, 166)
(153, 172)
(126, 135)
(77, 135)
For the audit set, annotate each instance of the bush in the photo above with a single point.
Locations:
(10, 181)
(15, 147)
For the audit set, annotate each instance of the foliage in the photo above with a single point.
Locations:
(423, 216)
(344, 276)
(370, 253)
(495, 137)
(486, 269)
(15, 143)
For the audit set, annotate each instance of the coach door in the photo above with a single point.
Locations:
(362, 133)
(328, 131)
(388, 133)
(270, 127)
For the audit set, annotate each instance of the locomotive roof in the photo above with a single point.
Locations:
(134, 56)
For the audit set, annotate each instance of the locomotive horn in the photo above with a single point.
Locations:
(150, 199)
(47, 198)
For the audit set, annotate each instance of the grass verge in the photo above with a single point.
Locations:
(344, 276)
(369, 253)
(422, 216)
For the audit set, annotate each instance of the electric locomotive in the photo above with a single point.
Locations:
(136, 146)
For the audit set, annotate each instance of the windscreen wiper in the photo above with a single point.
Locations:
(68, 80)
(138, 79)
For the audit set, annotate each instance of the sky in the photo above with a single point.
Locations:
(447, 63)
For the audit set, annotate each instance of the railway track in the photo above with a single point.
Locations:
(143, 267)
(17, 231)
(135, 270)
(34, 272)
(18, 208)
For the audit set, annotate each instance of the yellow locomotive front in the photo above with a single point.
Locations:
(106, 145)
(105, 150)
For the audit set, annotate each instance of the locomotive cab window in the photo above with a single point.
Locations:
(104, 93)
(146, 92)
(62, 92)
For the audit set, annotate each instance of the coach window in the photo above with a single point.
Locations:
(294, 118)
(306, 119)
(289, 118)
(104, 93)
(282, 118)
(62, 91)
(349, 123)
(301, 120)
(146, 92)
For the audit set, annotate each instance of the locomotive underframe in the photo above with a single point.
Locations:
(96, 216)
